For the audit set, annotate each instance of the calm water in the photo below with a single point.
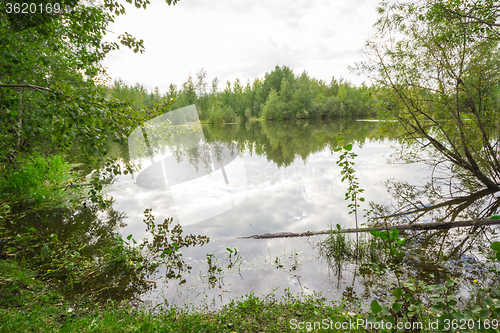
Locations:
(271, 177)
(221, 182)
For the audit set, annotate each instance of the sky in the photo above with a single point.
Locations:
(241, 38)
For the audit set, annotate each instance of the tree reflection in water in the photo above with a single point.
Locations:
(430, 256)
(82, 249)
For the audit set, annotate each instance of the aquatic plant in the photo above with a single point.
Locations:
(417, 306)
(337, 247)
(94, 259)
(346, 161)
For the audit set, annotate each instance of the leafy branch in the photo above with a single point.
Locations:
(346, 161)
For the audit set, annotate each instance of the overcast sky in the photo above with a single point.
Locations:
(241, 38)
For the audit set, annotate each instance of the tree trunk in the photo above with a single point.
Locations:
(415, 226)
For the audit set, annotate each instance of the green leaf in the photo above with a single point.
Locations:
(475, 308)
(348, 147)
(449, 283)
(393, 233)
(396, 307)
(401, 241)
(385, 310)
(376, 308)
(483, 314)
(435, 308)
(495, 246)
(398, 292)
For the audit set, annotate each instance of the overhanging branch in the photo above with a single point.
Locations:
(32, 86)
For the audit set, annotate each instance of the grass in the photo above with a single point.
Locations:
(30, 304)
(338, 248)
(36, 179)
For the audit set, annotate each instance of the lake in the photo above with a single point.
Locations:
(196, 190)
(228, 181)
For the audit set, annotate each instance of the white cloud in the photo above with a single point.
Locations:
(241, 38)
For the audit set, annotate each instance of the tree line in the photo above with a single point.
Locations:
(280, 94)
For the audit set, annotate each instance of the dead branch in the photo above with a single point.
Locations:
(414, 226)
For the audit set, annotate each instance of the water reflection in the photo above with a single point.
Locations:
(82, 248)
(286, 142)
(293, 184)
(290, 182)
(446, 197)
(76, 246)
(429, 256)
(201, 179)
(374, 278)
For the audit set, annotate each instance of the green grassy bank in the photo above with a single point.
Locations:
(29, 304)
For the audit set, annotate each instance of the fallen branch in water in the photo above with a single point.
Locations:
(415, 226)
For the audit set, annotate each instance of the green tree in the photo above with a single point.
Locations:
(274, 106)
(286, 94)
(50, 74)
(228, 115)
(227, 97)
(249, 100)
(187, 95)
(257, 100)
(213, 96)
(172, 90)
(238, 99)
(137, 96)
(439, 66)
(273, 80)
(303, 96)
(201, 93)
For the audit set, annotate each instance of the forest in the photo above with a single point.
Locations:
(280, 94)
